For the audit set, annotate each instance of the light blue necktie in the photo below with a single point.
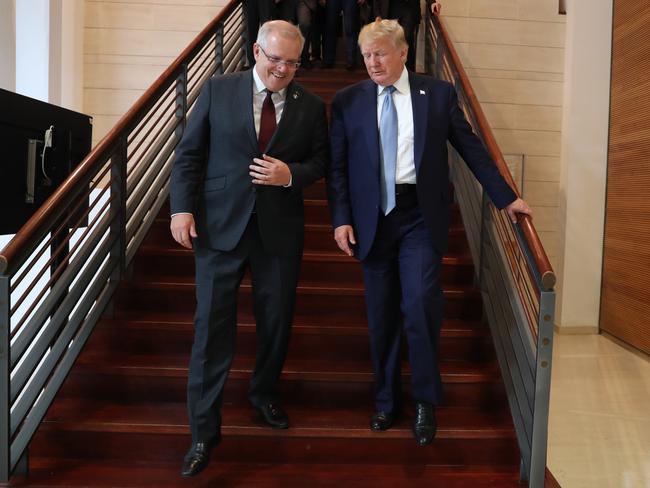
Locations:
(388, 137)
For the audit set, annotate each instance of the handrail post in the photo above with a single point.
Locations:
(483, 236)
(5, 307)
(542, 388)
(218, 48)
(118, 209)
(244, 45)
(439, 57)
(181, 102)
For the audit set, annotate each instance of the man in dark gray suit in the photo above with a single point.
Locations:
(253, 141)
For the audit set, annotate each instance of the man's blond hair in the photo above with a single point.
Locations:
(381, 29)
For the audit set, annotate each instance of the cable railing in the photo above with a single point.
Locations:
(512, 270)
(58, 275)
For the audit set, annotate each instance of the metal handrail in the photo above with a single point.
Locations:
(91, 227)
(512, 270)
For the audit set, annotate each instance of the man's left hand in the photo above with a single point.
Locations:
(270, 171)
(518, 206)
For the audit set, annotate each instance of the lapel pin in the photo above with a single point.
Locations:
(295, 95)
(422, 92)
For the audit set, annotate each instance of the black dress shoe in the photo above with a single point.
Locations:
(273, 415)
(424, 427)
(381, 421)
(196, 459)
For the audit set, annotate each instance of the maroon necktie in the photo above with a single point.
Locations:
(267, 122)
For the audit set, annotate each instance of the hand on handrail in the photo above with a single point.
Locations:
(518, 206)
(436, 7)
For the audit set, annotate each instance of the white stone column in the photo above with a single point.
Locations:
(583, 175)
(32, 48)
(8, 44)
(49, 51)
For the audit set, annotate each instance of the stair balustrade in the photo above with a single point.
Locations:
(58, 276)
(512, 271)
(59, 273)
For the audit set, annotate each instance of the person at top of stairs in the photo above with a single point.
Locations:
(253, 141)
(389, 196)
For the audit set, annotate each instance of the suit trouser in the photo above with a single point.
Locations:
(350, 10)
(402, 282)
(283, 10)
(218, 276)
(408, 16)
(305, 17)
(252, 27)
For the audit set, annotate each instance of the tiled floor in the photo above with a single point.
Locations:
(599, 429)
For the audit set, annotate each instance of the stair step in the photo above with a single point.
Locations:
(331, 342)
(314, 436)
(318, 237)
(330, 268)
(111, 473)
(171, 418)
(341, 304)
(317, 212)
(305, 381)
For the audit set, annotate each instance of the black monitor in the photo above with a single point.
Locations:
(40, 145)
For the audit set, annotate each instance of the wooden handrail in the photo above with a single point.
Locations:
(100, 154)
(547, 275)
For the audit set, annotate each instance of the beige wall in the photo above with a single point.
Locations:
(513, 52)
(128, 44)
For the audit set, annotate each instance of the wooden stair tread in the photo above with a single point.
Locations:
(185, 322)
(176, 282)
(171, 418)
(245, 317)
(308, 255)
(304, 368)
(110, 473)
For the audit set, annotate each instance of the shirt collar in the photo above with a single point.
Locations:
(401, 85)
(258, 84)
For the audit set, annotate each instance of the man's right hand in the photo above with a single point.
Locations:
(344, 237)
(183, 228)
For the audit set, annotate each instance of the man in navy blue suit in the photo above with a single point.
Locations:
(388, 189)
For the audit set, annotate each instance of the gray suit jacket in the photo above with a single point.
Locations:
(210, 175)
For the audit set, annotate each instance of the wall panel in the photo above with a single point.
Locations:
(128, 44)
(625, 304)
(513, 52)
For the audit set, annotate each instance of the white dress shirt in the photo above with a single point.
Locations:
(405, 165)
(259, 94)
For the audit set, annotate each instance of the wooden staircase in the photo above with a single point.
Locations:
(121, 420)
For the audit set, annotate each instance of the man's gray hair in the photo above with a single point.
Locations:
(383, 28)
(280, 28)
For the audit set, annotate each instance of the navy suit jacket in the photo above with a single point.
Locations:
(353, 177)
(210, 175)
